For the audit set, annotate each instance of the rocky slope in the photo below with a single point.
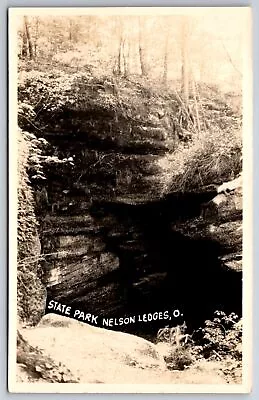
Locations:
(93, 355)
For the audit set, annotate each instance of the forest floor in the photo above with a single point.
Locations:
(95, 355)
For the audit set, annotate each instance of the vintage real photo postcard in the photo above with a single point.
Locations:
(130, 200)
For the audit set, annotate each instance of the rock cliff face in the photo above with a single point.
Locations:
(114, 259)
(115, 240)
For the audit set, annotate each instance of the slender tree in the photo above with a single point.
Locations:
(36, 37)
(122, 61)
(185, 59)
(28, 36)
(142, 60)
(24, 42)
(165, 70)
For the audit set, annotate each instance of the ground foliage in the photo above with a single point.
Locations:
(220, 339)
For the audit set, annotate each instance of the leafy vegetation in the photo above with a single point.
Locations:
(30, 291)
(220, 339)
(179, 353)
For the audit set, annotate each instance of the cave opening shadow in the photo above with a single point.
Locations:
(193, 277)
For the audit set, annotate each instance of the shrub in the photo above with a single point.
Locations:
(213, 156)
(178, 358)
(220, 338)
(178, 355)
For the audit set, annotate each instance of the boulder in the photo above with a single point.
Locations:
(88, 351)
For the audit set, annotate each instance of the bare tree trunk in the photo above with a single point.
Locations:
(196, 106)
(24, 42)
(143, 66)
(125, 57)
(119, 69)
(185, 60)
(36, 37)
(26, 24)
(70, 31)
(165, 73)
(142, 62)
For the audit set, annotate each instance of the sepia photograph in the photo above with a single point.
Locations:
(130, 211)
